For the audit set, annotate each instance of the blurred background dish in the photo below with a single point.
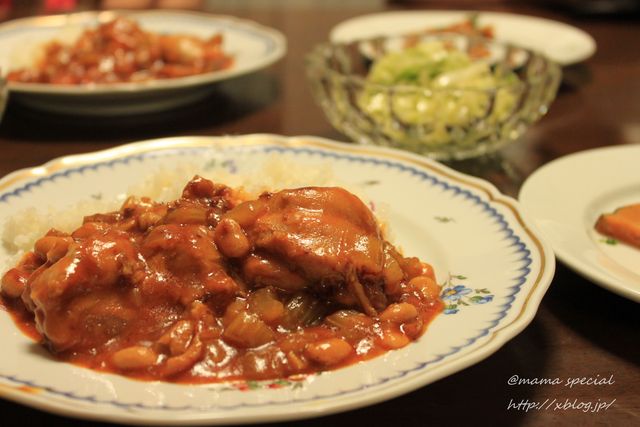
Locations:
(561, 42)
(251, 45)
(447, 96)
(565, 198)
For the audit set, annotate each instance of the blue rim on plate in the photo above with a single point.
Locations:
(497, 314)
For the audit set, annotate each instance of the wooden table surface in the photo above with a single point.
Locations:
(580, 330)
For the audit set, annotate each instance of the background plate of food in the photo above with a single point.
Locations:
(560, 42)
(568, 196)
(491, 268)
(109, 63)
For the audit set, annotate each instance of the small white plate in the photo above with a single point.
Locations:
(562, 43)
(253, 47)
(566, 197)
(494, 267)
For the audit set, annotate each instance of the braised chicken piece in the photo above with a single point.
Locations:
(212, 287)
(74, 294)
(126, 276)
(322, 238)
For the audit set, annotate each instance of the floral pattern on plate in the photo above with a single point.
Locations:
(491, 241)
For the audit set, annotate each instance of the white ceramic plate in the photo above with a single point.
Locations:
(566, 197)
(253, 46)
(562, 43)
(494, 266)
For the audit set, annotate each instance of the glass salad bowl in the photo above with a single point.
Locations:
(446, 96)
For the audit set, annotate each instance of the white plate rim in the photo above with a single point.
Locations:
(575, 261)
(341, 32)
(276, 40)
(497, 337)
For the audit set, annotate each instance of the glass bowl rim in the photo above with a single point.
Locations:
(317, 57)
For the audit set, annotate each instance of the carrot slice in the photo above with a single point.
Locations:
(623, 224)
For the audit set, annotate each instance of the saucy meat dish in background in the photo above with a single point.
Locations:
(121, 51)
(214, 287)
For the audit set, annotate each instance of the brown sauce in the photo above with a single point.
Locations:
(212, 287)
